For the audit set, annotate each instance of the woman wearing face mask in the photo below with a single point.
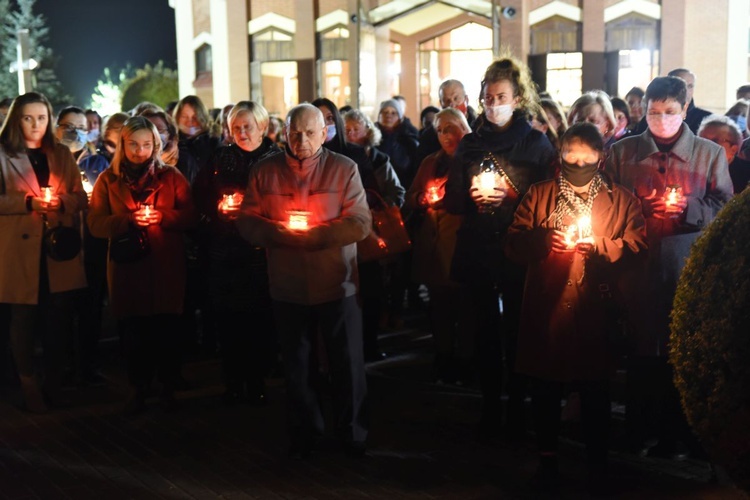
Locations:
(378, 176)
(667, 154)
(168, 135)
(238, 279)
(89, 307)
(38, 289)
(72, 131)
(738, 112)
(196, 147)
(503, 142)
(562, 338)
(146, 294)
(196, 143)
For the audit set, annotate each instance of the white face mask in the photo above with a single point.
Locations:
(330, 132)
(499, 115)
(664, 126)
(189, 131)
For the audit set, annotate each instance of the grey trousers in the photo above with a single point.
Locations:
(340, 326)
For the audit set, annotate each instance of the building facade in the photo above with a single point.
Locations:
(360, 52)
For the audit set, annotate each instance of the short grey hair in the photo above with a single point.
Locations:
(722, 121)
(303, 108)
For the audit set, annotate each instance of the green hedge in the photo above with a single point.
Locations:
(710, 340)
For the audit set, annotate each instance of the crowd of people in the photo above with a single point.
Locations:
(550, 242)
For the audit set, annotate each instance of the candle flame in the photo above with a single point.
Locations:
(47, 192)
(298, 220)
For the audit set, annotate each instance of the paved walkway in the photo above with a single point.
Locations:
(421, 446)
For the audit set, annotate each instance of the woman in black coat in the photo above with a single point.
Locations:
(237, 279)
(515, 156)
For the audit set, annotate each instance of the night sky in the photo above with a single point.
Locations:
(89, 35)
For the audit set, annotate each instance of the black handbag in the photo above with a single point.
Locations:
(129, 247)
(61, 242)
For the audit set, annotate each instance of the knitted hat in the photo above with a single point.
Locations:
(391, 103)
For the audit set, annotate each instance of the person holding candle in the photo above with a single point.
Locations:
(238, 276)
(434, 242)
(666, 154)
(563, 337)
(146, 296)
(38, 288)
(509, 152)
(313, 273)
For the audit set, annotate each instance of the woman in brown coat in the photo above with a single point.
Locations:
(575, 233)
(138, 192)
(39, 181)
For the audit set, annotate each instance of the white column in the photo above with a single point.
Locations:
(183, 18)
(737, 18)
(229, 51)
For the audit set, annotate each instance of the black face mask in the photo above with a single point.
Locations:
(578, 175)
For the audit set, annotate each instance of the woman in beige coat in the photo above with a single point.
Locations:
(146, 292)
(40, 186)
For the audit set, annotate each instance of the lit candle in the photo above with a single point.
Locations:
(298, 220)
(87, 187)
(673, 195)
(434, 196)
(230, 203)
(47, 194)
(570, 233)
(584, 227)
(146, 210)
(487, 183)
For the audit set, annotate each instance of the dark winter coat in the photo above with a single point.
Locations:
(527, 157)
(563, 322)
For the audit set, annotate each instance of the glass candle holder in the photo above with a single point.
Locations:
(229, 205)
(299, 220)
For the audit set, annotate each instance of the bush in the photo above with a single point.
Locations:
(710, 339)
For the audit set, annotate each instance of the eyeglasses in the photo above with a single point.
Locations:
(69, 127)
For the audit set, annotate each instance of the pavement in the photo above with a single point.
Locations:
(421, 445)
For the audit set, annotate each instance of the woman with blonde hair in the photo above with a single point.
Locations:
(40, 188)
(237, 270)
(144, 208)
(512, 156)
(595, 107)
(434, 243)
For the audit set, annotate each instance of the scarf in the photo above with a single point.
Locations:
(568, 205)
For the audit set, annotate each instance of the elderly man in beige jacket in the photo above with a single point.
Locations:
(307, 207)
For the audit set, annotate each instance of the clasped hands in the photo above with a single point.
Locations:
(307, 239)
(658, 208)
(558, 241)
(143, 219)
(488, 202)
(42, 205)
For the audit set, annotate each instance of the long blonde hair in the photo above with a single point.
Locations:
(132, 125)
